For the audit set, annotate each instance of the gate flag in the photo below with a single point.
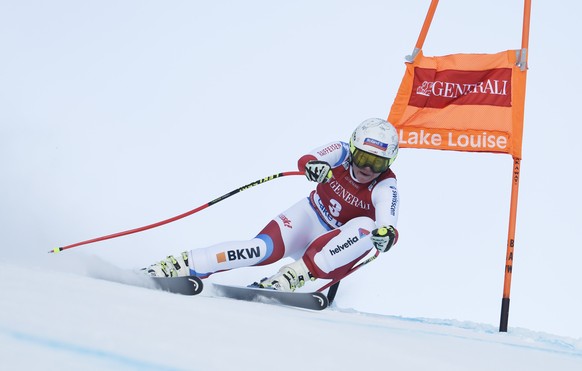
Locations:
(467, 102)
(462, 102)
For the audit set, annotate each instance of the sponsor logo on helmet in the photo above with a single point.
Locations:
(375, 144)
(238, 254)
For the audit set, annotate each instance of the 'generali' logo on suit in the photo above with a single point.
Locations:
(438, 89)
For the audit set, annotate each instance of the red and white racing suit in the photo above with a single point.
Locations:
(329, 229)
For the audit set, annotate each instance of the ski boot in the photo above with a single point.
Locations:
(289, 278)
(170, 267)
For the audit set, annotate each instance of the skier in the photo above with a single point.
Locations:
(353, 209)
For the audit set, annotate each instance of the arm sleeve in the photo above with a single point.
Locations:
(334, 153)
(386, 201)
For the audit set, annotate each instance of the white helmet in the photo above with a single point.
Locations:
(377, 137)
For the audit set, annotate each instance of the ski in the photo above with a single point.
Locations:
(186, 285)
(306, 300)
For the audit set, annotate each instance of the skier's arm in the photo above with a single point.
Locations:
(318, 163)
(334, 154)
(386, 202)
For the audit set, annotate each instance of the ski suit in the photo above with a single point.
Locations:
(329, 229)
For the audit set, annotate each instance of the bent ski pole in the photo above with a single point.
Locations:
(177, 217)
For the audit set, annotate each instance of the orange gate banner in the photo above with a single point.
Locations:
(462, 102)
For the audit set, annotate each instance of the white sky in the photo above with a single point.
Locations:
(116, 114)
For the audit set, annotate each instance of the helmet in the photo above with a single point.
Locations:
(374, 143)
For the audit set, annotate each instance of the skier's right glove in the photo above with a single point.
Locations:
(318, 171)
(383, 238)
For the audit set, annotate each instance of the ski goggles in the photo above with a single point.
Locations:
(364, 159)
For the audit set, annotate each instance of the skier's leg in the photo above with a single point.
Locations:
(286, 235)
(333, 254)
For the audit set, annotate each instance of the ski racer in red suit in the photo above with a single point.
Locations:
(353, 209)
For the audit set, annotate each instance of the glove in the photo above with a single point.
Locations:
(318, 171)
(383, 238)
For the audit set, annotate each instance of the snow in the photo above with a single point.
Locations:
(115, 115)
(73, 317)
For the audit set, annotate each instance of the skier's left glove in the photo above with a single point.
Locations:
(318, 171)
(384, 237)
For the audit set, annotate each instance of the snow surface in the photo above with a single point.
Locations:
(71, 317)
(106, 107)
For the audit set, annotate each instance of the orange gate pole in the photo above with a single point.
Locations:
(510, 246)
(424, 30)
(514, 188)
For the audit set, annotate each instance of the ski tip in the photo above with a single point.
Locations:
(185, 285)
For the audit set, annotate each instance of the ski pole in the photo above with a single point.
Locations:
(177, 217)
